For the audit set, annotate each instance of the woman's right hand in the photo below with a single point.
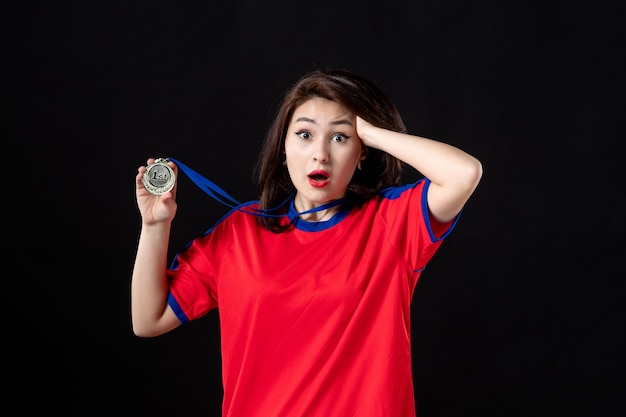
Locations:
(155, 208)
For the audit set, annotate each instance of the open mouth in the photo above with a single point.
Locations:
(319, 178)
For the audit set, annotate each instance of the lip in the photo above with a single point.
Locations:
(317, 182)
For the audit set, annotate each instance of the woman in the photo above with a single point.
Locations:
(314, 281)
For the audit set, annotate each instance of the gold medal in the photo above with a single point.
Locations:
(159, 177)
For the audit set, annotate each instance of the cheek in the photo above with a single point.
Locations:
(294, 160)
(352, 159)
(348, 166)
(291, 150)
(296, 155)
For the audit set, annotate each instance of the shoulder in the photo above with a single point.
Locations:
(242, 214)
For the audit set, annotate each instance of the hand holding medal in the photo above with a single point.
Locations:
(159, 177)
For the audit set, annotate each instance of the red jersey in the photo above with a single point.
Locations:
(314, 321)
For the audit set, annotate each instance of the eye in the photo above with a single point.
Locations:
(304, 134)
(338, 137)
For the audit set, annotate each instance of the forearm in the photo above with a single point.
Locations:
(149, 286)
(441, 163)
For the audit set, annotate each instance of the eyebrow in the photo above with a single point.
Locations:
(336, 122)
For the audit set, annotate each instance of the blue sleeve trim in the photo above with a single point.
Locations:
(176, 308)
(426, 214)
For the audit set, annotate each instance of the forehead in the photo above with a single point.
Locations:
(316, 108)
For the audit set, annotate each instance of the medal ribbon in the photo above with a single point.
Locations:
(218, 194)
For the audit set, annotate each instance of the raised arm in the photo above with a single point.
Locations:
(151, 315)
(454, 174)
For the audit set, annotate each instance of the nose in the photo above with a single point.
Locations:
(320, 152)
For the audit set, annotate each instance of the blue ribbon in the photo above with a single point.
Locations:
(218, 194)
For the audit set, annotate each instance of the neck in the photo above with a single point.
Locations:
(319, 216)
(319, 213)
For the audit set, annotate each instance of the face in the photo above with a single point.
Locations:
(322, 151)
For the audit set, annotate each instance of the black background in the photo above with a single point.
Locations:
(521, 312)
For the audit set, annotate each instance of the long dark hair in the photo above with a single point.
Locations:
(378, 170)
